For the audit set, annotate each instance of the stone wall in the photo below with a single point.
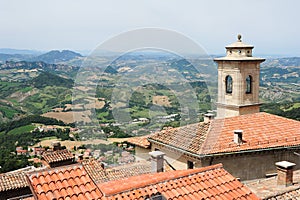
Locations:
(249, 166)
(141, 153)
(176, 159)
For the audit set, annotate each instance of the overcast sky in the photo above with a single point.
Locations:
(271, 26)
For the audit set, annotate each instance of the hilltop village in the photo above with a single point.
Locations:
(236, 153)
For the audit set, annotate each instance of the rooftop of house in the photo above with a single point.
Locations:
(74, 182)
(100, 174)
(268, 189)
(203, 183)
(67, 182)
(15, 179)
(141, 141)
(12, 181)
(57, 156)
(260, 131)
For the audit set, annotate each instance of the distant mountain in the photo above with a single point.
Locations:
(282, 62)
(14, 57)
(62, 69)
(19, 51)
(56, 56)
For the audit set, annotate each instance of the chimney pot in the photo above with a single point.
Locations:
(56, 146)
(208, 117)
(238, 136)
(285, 173)
(157, 161)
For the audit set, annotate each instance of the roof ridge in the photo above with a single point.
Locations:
(154, 178)
(60, 168)
(203, 148)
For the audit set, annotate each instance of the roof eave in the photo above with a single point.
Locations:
(202, 155)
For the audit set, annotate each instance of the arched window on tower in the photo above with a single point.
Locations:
(228, 83)
(248, 84)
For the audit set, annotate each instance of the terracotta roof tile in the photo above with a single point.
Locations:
(141, 141)
(268, 189)
(99, 174)
(189, 138)
(12, 181)
(182, 184)
(70, 181)
(260, 131)
(57, 156)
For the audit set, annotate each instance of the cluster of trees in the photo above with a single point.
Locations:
(49, 79)
(10, 139)
(282, 109)
(6, 127)
(8, 142)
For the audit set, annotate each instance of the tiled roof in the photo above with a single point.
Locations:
(12, 181)
(68, 182)
(260, 131)
(100, 175)
(290, 195)
(211, 182)
(57, 156)
(268, 188)
(15, 179)
(189, 138)
(141, 141)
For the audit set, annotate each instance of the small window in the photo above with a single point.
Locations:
(190, 164)
(248, 84)
(228, 83)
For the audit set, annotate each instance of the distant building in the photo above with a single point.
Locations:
(58, 158)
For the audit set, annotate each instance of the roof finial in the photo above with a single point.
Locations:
(239, 37)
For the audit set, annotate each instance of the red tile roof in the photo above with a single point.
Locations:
(189, 138)
(100, 174)
(73, 182)
(57, 156)
(268, 189)
(211, 182)
(293, 194)
(68, 182)
(260, 131)
(141, 141)
(12, 181)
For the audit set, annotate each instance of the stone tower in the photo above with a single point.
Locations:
(238, 81)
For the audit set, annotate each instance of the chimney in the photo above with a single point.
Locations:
(208, 117)
(80, 157)
(238, 136)
(56, 145)
(157, 161)
(285, 173)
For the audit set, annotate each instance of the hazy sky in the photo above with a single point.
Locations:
(271, 26)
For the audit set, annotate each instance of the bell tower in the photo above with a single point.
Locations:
(238, 81)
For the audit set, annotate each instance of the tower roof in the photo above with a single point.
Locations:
(239, 51)
(239, 44)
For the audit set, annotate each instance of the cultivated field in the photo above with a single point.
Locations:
(71, 144)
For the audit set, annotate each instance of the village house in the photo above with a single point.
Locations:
(247, 142)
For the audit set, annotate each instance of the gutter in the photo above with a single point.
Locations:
(223, 153)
